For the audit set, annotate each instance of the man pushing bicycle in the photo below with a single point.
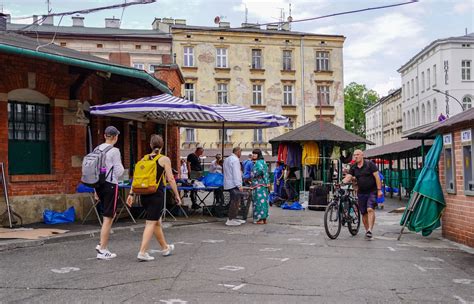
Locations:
(369, 188)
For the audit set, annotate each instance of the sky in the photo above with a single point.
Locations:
(377, 42)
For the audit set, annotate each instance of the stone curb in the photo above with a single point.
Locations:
(81, 235)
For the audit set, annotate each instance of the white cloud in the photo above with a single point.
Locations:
(463, 7)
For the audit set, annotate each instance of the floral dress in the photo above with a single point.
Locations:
(260, 194)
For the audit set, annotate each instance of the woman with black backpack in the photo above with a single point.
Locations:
(154, 203)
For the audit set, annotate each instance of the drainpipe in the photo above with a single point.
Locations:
(303, 110)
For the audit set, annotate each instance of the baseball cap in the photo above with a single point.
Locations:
(111, 131)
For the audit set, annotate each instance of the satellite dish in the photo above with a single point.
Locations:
(217, 20)
(290, 19)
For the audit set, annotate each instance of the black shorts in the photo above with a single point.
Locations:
(153, 204)
(108, 195)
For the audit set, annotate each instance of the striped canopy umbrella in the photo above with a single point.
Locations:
(161, 108)
(239, 117)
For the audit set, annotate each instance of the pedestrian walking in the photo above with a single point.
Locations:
(233, 184)
(369, 188)
(261, 184)
(107, 192)
(154, 203)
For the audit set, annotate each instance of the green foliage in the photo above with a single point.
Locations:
(357, 98)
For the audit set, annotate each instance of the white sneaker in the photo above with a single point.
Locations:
(104, 254)
(232, 223)
(145, 257)
(240, 221)
(168, 251)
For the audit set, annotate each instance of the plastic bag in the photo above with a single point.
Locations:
(214, 180)
(51, 217)
(294, 206)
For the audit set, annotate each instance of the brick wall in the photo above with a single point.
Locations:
(458, 217)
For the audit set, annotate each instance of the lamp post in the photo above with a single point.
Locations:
(446, 94)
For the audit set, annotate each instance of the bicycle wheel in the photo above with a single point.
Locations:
(332, 220)
(354, 223)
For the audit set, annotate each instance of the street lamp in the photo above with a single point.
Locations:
(446, 94)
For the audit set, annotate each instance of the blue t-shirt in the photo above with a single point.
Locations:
(248, 166)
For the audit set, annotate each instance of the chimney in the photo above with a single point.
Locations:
(272, 27)
(112, 23)
(251, 25)
(285, 26)
(48, 20)
(78, 21)
(159, 25)
(180, 21)
(224, 24)
(168, 20)
(3, 22)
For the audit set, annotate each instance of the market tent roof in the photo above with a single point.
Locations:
(160, 108)
(24, 46)
(239, 117)
(400, 148)
(463, 119)
(320, 131)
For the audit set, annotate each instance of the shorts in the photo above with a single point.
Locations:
(368, 200)
(154, 205)
(108, 195)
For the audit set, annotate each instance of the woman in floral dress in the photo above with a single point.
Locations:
(260, 194)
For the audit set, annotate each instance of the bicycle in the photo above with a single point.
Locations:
(343, 209)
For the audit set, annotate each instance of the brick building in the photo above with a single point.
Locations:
(457, 176)
(45, 127)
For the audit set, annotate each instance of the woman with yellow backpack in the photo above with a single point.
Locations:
(149, 181)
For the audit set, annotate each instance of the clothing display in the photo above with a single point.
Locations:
(310, 153)
(282, 152)
(294, 155)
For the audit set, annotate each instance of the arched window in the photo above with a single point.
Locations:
(404, 121)
(413, 119)
(417, 116)
(423, 113)
(428, 112)
(435, 110)
(408, 123)
(467, 102)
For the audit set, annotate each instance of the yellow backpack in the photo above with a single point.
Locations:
(144, 177)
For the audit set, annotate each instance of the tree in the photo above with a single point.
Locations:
(357, 98)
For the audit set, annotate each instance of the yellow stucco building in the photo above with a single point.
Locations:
(272, 69)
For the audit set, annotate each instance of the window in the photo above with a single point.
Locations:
(428, 112)
(287, 60)
(100, 45)
(137, 65)
(449, 163)
(226, 138)
(221, 58)
(417, 116)
(413, 119)
(468, 157)
(408, 91)
(287, 95)
(423, 114)
(28, 138)
(323, 95)
(467, 102)
(258, 135)
(222, 93)
(403, 93)
(404, 122)
(434, 75)
(62, 44)
(138, 47)
(422, 81)
(435, 110)
(466, 70)
(188, 56)
(417, 86)
(322, 61)
(256, 59)
(153, 47)
(412, 88)
(428, 79)
(189, 92)
(190, 135)
(257, 94)
(408, 122)
(152, 67)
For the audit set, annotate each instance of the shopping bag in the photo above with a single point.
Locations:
(51, 217)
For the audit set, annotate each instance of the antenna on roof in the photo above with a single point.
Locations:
(246, 13)
(48, 3)
(217, 20)
(289, 19)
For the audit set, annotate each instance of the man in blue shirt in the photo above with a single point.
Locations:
(248, 166)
